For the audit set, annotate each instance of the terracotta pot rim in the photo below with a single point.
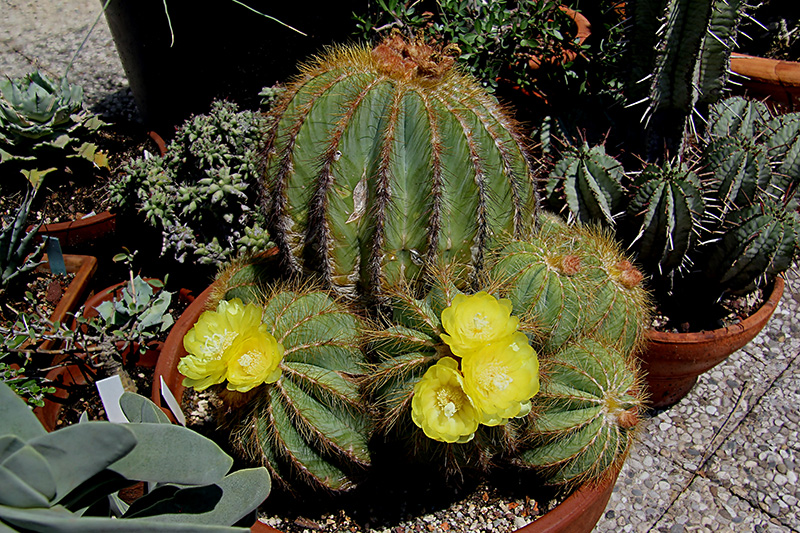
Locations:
(780, 71)
(761, 315)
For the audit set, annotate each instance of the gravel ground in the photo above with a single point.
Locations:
(724, 459)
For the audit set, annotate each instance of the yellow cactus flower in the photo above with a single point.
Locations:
(476, 320)
(441, 407)
(501, 378)
(254, 358)
(209, 339)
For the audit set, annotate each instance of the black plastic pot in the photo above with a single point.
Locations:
(221, 49)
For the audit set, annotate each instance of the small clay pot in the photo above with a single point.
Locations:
(673, 361)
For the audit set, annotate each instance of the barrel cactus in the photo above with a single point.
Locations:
(286, 360)
(433, 395)
(381, 162)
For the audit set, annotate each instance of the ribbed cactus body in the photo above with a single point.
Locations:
(668, 208)
(784, 151)
(584, 416)
(380, 162)
(737, 117)
(310, 427)
(572, 281)
(739, 170)
(759, 242)
(591, 182)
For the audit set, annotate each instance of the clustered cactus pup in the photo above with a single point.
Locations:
(382, 161)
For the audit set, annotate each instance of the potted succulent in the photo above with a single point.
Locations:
(384, 344)
(46, 131)
(697, 210)
(201, 193)
(70, 479)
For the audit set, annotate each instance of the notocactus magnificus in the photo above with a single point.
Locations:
(583, 420)
(381, 161)
(579, 309)
(291, 376)
(569, 281)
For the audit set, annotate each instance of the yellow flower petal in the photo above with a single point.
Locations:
(476, 320)
(254, 358)
(501, 378)
(209, 340)
(440, 407)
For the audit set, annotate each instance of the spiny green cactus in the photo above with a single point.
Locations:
(67, 480)
(668, 208)
(737, 116)
(309, 427)
(380, 162)
(583, 419)
(572, 281)
(590, 181)
(759, 242)
(739, 169)
(685, 66)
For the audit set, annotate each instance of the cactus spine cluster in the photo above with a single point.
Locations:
(719, 221)
(379, 162)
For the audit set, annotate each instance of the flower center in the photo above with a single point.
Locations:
(495, 377)
(249, 361)
(479, 324)
(448, 401)
(217, 343)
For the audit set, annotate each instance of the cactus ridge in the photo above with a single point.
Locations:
(582, 422)
(739, 170)
(370, 169)
(591, 181)
(718, 42)
(760, 241)
(737, 117)
(784, 152)
(310, 425)
(669, 201)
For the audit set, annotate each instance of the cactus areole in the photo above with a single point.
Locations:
(381, 161)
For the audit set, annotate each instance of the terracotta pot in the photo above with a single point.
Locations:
(83, 231)
(84, 267)
(673, 361)
(584, 30)
(577, 514)
(778, 80)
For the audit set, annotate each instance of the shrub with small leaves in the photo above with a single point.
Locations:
(202, 194)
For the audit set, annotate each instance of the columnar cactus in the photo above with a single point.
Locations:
(289, 359)
(380, 162)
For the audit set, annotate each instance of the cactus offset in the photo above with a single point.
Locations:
(590, 181)
(308, 426)
(583, 419)
(737, 116)
(380, 162)
(759, 242)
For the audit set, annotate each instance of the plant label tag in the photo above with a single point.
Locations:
(111, 390)
(172, 403)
